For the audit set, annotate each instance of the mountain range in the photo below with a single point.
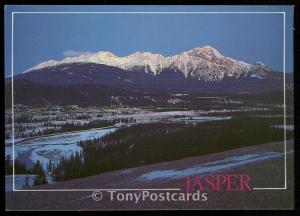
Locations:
(202, 70)
(202, 63)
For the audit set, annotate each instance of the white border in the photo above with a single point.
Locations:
(141, 12)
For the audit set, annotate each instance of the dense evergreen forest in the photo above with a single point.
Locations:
(156, 142)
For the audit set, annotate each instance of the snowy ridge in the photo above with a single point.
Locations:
(202, 63)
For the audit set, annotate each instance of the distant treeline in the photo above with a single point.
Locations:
(67, 127)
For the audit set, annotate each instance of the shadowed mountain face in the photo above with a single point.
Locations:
(99, 77)
(94, 84)
(167, 80)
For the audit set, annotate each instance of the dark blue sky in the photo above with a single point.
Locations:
(247, 37)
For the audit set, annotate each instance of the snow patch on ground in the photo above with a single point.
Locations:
(210, 167)
(288, 127)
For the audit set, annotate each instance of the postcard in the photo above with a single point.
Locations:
(149, 107)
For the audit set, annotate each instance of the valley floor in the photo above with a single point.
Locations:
(263, 163)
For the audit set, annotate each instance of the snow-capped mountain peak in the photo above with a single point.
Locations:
(203, 63)
(45, 64)
(205, 52)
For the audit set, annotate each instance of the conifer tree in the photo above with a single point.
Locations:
(41, 176)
